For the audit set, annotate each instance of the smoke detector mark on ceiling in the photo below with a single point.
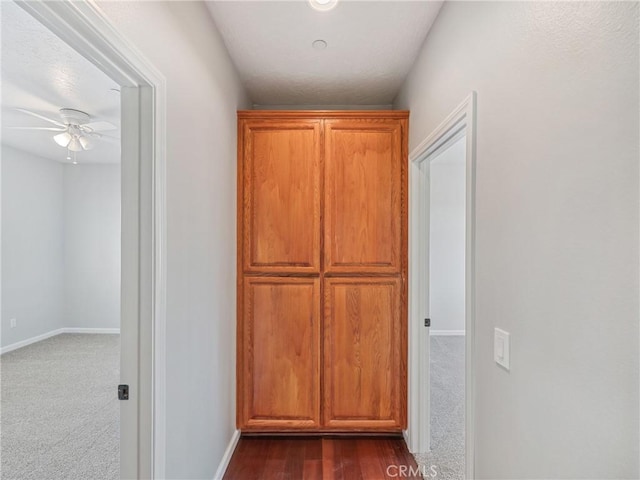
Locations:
(319, 44)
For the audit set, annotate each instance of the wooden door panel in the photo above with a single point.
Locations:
(282, 197)
(281, 349)
(363, 360)
(322, 251)
(363, 196)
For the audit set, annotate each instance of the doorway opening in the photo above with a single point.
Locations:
(84, 28)
(442, 296)
(61, 242)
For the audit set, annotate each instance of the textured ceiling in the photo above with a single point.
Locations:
(40, 72)
(371, 47)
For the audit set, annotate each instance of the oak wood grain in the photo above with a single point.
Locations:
(322, 197)
(282, 167)
(281, 353)
(362, 352)
(363, 183)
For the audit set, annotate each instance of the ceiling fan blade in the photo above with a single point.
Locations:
(102, 135)
(99, 126)
(41, 117)
(110, 138)
(50, 129)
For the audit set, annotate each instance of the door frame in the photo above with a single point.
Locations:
(461, 121)
(82, 25)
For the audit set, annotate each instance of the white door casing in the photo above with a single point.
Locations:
(462, 121)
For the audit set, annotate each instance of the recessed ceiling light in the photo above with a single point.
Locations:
(323, 5)
(319, 44)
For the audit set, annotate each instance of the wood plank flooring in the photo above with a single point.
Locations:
(321, 458)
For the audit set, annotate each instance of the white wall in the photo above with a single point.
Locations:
(60, 245)
(32, 245)
(92, 245)
(557, 225)
(203, 94)
(447, 239)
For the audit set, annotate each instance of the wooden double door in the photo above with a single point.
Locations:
(322, 261)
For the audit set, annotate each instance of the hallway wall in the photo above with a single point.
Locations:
(557, 225)
(203, 94)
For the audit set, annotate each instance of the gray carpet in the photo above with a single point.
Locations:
(59, 409)
(447, 409)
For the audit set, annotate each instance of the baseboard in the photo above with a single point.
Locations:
(226, 458)
(407, 441)
(29, 341)
(91, 330)
(53, 333)
(447, 332)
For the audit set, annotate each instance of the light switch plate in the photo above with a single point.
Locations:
(501, 348)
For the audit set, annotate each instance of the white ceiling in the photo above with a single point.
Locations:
(371, 47)
(40, 72)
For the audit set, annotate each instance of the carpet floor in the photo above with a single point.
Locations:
(59, 409)
(447, 409)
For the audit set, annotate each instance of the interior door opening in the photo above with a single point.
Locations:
(442, 296)
(84, 28)
(61, 251)
(446, 307)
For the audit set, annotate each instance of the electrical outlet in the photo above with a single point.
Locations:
(14, 322)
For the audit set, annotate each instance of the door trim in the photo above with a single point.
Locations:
(82, 25)
(461, 121)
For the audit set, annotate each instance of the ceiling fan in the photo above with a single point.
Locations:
(75, 130)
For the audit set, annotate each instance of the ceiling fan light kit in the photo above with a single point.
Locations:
(74, 144)
(77, 132)
(77, 137)
(86, 143)
(62, 139)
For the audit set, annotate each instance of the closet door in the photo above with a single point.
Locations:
(363, 196)
(279, 274)
(281, 201)
(280, 353)
(322, 259)
(363, 354)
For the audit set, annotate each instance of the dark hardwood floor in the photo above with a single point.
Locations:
(321, 458)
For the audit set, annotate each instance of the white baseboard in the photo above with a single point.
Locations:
(29, 341)
(53, 333)
(447, 332)
(407, 440)
(91, 330)
(226, 458)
